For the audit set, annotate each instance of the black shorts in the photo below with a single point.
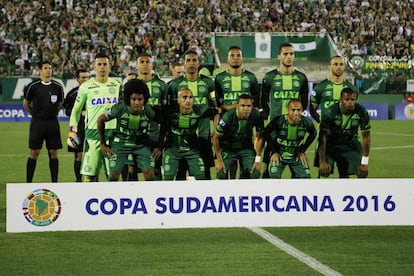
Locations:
(81, 135)
(45, 130)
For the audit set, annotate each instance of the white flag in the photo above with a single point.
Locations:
(304, 47)
(263, 45)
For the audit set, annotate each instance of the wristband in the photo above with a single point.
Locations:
(257, 159)
(73, 129)
(364, 160)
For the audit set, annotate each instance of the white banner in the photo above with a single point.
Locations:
(231, 203)
(263, 45)
(410, 85)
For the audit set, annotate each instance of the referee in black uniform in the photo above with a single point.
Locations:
(43, 99)
(82, 75)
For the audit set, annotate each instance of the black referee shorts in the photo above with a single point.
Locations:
(45, 130)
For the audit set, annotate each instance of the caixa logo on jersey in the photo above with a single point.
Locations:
(104, 100)
(41, 207)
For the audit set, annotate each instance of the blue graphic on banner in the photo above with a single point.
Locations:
(377, 111)
(404, 111)
(17, 113)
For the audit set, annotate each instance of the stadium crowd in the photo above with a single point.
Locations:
(69, 33)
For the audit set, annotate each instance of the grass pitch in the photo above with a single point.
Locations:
(217, 251)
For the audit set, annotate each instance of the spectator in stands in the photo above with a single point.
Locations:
(98, 26)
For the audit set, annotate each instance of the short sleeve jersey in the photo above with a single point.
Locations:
(97, 99)
(182, 129)
(229, 87)
(131, 129)
(282, 88)
(203, 93)
(70, 99)
(327, 93)
(238, 134)
(289, 138)
(342, 128)
(44, 98)
(158, 92)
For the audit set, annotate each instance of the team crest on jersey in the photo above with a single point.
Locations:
(222, 123)
(112, 90)
(155, 90)
(53, 98)
(296, 83)
(202, 89)
(245, 84)
(301, 133)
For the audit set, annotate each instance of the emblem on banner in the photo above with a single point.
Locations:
(41, 207)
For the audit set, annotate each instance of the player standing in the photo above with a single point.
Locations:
(82, 75)
(281, 86)
(97, 95)
(202, 88)
(232, 83)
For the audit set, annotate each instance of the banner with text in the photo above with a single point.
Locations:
(17, 113)
(234, 203)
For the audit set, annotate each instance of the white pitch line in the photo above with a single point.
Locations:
(306, 259)
(310, 151)
(396, 147)
(395, 134)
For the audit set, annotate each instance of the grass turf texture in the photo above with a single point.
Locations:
(232, 251)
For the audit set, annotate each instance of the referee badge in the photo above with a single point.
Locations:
(53, 98)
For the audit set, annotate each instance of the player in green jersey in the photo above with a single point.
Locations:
(131, 136)
(293, 134)
(82, 75)
(180, 132)
(97, 95)
(235, 81)
(203, 91)
(327, 92)
(158, 99)
(339, 138)
(232, 83)
(233, 139)
(280, 86)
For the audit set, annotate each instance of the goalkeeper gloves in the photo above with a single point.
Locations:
(73, 140)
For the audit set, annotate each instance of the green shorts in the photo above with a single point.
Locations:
(296, 167)
(171, 159)
(93, 159)
(346, 156)
(140, 155)
(246, 156)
